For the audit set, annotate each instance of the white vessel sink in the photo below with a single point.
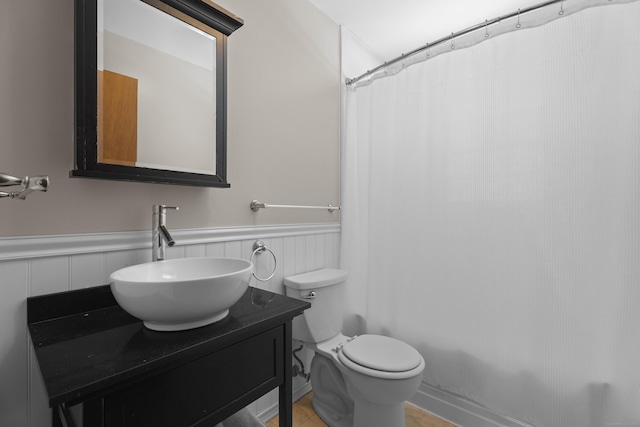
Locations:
(179, 294)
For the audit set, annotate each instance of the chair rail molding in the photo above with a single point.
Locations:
(67, 244)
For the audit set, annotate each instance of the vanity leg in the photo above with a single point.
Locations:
(286, 389)
(55, 417)
(93, 413)
(61, 417)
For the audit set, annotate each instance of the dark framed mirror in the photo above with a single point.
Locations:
(150, 88)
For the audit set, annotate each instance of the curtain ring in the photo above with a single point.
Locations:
(561, 8)
(453, 42)
(486, 29)
(427, 49)
(518, 24)
(258, 248)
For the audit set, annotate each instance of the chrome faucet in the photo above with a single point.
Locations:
(160, 236)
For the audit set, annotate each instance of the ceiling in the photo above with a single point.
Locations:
(389, 28)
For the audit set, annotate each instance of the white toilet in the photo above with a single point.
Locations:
(361, 381)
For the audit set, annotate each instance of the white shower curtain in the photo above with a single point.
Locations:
(491, 218)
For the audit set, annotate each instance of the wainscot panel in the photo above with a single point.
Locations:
(32, 266)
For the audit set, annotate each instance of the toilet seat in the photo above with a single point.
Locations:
(381, 357)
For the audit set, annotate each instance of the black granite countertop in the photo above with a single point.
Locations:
(86, 344)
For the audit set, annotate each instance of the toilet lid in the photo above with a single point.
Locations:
(382, 353)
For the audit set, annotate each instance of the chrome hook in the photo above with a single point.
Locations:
(518, 24)
(486, 29)
(561, 8)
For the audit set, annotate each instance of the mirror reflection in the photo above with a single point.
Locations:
(156, 90)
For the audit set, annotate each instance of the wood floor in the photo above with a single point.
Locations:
(304, 416)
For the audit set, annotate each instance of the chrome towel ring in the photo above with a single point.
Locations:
(258, 248)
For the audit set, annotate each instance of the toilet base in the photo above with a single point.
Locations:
(367, 414)
(327, 414)
(338, 404)
(330, 398)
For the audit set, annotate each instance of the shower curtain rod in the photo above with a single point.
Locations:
(448, 38)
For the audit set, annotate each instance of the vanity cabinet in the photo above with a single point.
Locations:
(191, 394)
(92, 353)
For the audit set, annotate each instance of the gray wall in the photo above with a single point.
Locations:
(284, 78)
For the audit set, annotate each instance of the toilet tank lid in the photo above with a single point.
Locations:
(316, 279)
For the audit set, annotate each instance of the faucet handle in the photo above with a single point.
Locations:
(161, 209)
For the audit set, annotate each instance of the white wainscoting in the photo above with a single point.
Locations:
(31, 266)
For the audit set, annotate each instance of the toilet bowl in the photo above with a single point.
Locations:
(359, 381)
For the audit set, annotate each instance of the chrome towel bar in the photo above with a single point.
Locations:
(27, 185)
(256, 206)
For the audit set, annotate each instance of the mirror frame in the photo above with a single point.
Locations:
(202, 14)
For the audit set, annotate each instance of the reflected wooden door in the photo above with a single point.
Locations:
(117, 118)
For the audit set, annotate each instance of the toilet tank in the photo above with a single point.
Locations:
(322, 288)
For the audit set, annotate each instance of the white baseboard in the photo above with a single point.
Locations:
(447, 406)
(458, 410)
(272, 411)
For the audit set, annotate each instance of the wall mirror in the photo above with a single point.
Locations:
(151, 90)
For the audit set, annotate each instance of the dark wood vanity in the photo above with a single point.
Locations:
(92, 353)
